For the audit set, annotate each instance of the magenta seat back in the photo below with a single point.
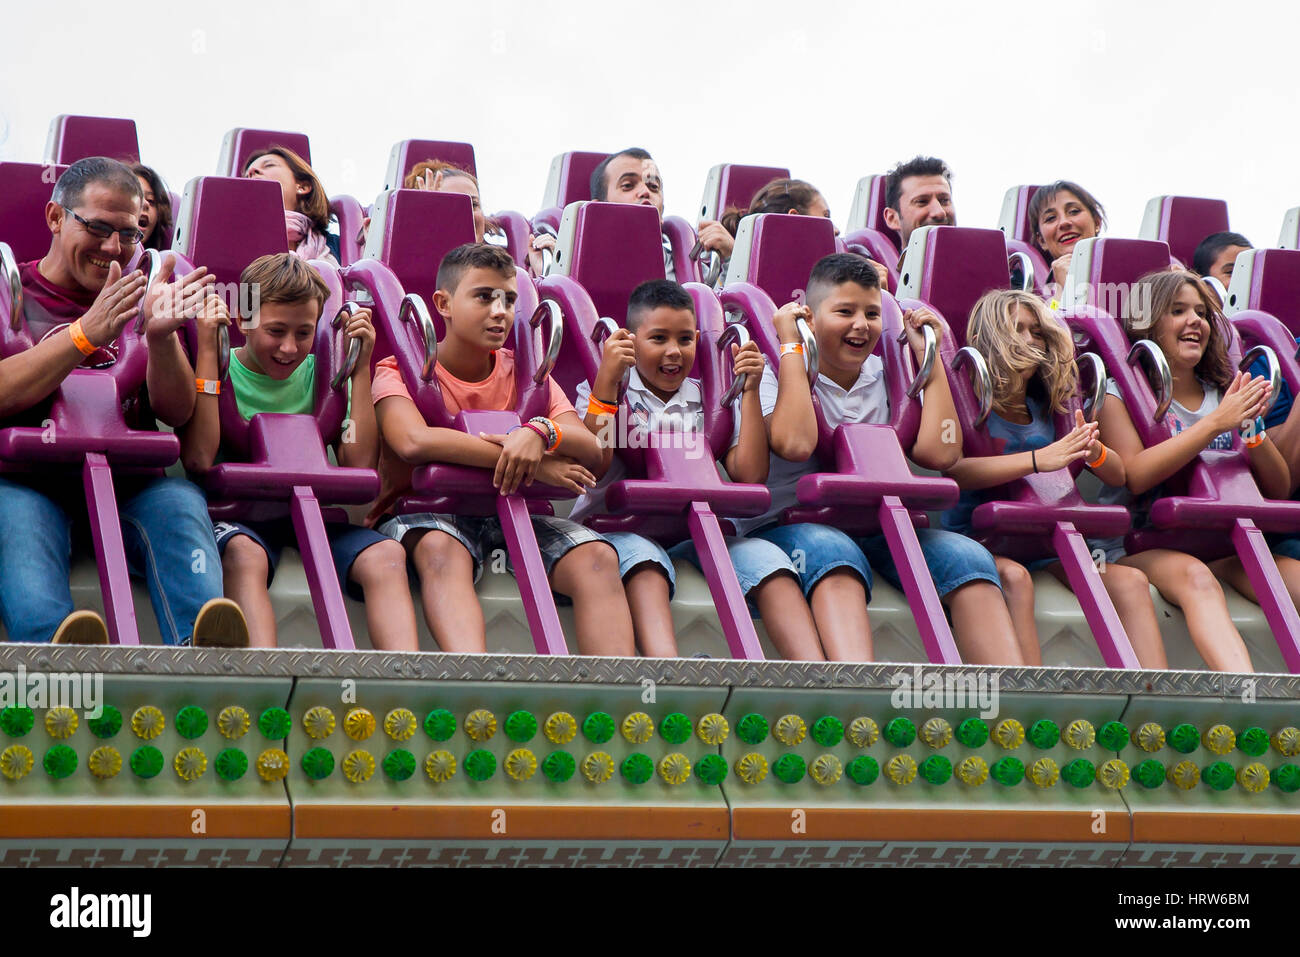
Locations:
(25, 188)
(226, 222)
(959, 267)
(570, 177)
(783, 251)
(406, 153)
(1182, 222)
(240, 143)
(1107, 268)
(1274, 286)
(1014, 220)
(871, 215)
(418, 228)
(737, 185)
(615, 248)
(75, 137)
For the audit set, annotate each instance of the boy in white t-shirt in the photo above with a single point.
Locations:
(844, 307)
(658, 347)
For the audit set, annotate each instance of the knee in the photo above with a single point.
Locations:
(1127, 582)
(437, 552)
(381, 562)
(243, 557)
(591, 565)
(1015, 577)
(1199, 581)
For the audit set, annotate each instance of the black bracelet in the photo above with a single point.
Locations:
(1033, 457)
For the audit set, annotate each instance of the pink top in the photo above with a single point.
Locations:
(496, 393)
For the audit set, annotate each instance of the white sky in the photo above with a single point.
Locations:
(1132, 99)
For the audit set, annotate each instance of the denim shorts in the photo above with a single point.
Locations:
(814, 551)
(754, 560)
(953, 560)
(481, 536)
(636, 550)
(1284, 545)
(347, 541)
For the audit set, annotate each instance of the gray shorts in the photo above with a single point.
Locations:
(482, 535)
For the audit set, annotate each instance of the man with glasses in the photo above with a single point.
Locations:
(77, 301)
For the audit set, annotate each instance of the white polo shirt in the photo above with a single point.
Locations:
(683, 412)
(866, 402)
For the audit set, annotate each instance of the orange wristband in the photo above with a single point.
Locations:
(1098, 464)
(559, 437)
(598, 408)
(791, 348)
(208, 386)
(79, 339)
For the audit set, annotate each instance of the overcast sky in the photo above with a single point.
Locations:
(1132, 99)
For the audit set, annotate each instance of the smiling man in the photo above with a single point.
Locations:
(630, 176)
(77, 302)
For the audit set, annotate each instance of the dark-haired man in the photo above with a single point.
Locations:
(630, 176)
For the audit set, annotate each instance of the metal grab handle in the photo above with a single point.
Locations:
(980, 380)
(1026, 270)
(414, 305)
(811, 356)
(223, 352)
(713, 269)
(740, 334)
(927, 362)
(155, 267)
(1274, 370)
(1146, 347)
(354, 347)
(1098, 382)
(604, 328)
(549, 309)
(548, 255)
(10, 267)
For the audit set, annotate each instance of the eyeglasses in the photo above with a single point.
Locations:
(128, 237)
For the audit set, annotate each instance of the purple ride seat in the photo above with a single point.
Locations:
(955, 267)
(871, 489)
(1216, 493)
(73, 137)
(406, 153)
(25, 188)
(413, 231)
(1182, 222)
(732, 185)
(867, 232)
(240, 143)
(674, 491)
(225, 223)
(1267, 280)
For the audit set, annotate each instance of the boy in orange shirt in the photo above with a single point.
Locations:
(476, 299)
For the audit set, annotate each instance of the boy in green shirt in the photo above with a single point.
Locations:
(275, 371)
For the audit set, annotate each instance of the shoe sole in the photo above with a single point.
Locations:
(220, 625)
(81, 628)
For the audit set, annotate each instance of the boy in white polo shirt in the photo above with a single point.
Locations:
(844, 307)
(658, 346)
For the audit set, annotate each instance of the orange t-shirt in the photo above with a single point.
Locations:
(495, 393)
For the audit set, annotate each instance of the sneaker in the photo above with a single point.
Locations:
(220, 624)
(81, 628)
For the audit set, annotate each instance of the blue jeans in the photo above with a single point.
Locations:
(168, 539)
(953, 560)
(816, 551)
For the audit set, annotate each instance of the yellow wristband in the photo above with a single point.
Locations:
(79, 339)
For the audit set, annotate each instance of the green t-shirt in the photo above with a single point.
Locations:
(256, 392)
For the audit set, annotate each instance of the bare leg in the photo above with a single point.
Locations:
(1130, 592)
(1234, 573)
(380, 570)
(1188, 583)
(839, 609)
(1018, 592)
(451, 607)
(652, 617)
(982, 625)
(788, 620)
(244, 569)
(589, 575)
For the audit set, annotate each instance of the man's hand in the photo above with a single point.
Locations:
(785, 321)
(713, 235)
(361, 327)
(562, 472)
(881, 272)
(115, 306)
(749, 362)
(536, 261)
(521, 452)
(168, 305)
